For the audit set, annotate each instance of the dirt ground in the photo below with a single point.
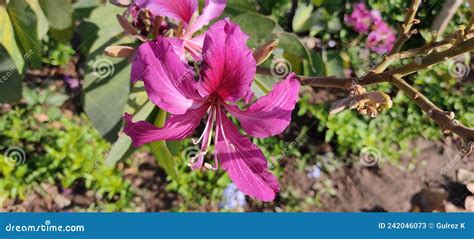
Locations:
(384, 187)
(380, 188)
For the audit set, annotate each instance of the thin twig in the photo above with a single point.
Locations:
(434, 58)
(404, 35)
(459, 43)
(445, 120)
(410, 20)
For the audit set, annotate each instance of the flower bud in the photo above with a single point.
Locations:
(121, 3)
(262, 53)
(119, 51)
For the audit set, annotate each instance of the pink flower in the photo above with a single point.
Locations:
(381, 39)
(186, 12)
(360, 19)
(227, 72)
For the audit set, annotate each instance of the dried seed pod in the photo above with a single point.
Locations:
(121, 3)
(119, 51)
(262, 53)
(129, 28)
(339, 106)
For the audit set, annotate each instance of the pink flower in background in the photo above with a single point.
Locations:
(376, 17)
(381, 39)
(227, 72)
(360, 19)
(186, 12)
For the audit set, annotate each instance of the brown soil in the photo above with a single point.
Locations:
(386, 187)
(380, 188)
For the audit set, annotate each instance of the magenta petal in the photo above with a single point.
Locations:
(228, 67)
(138, 68)
(178, 47)
(212, 10)
(177, 127)
(176, 9)
(271, 114)
(194, 46)
(169, 82)
(244, 162)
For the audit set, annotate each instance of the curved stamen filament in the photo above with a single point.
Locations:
(216, 140)
(206, 140)
(192, 47)
(209, 118)
(223, 133)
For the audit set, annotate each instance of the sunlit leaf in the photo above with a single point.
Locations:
(42, 22)
(10, 79)
(58, 13)
(122, 148)
(107, 81)
(24, 23)
(7, 39)
(258, 27)
(301, 20)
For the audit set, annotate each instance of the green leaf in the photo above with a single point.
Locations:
(318, 64)
(239, 5)
(262, 85)
(106, 89)
(302, 19)
(107, 81)
(25, 22)
(102, 28)
(161, 151)
(10, 79)
(333, 63)
(58, 13)
(7, 39)
(292, 45)
(318, 3)
(42, 22)
(123, 146)
(257, 26)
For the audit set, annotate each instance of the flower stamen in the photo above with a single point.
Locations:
(209, 117)
(206, 137)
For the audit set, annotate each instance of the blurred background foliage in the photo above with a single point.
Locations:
(67, 118)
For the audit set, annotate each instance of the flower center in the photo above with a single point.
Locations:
(214, 119)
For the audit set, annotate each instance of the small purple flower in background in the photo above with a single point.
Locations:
(232, 198)
(314, 172)
(67, 191)
(380, 37)
(72, 82)
(360, 19)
